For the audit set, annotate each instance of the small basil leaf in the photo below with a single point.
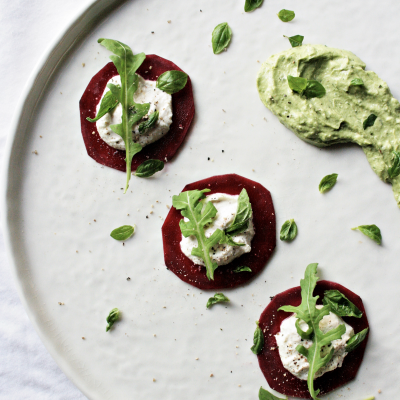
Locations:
(357, 82)
(286, 15)
(149, 168)
(369, 121)
(327, 182)
(108, 103)
(124, 232)
(172, 81)
(217, 298)
(258, 340)
(297, 84)
(288, 230)
(221, 37)
(296, 40)
(145, 125)
(394, 170)
(372, 231)
(314, 89)
(227, 239)
(265, 395)
(356, 340)
(241, 269)
(112, 318)
(251, 5)
(243, 214)
(340, 304)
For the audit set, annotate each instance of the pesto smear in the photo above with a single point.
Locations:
(339, 115)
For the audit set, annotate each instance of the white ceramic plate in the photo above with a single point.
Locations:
(59, 254)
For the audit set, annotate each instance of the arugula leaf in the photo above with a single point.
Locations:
(145, 125)
(286, 15)
(327, 183)
(221, 37)
(258, 340)
(340, 304)
(296, 40)
(251, 5)
(288, 230)
(372, 231)
(127, 64)
(241, 269)
(149, 168)
(172, 81)
(227, 239)
(309, 88)
(108, 103)
(370, 121)
(312, 316)
(124, 232)
(357, 82)
(217, 298)
(112, 318)
(356, 340)
(243, 215)
(265, 395)
(394, 170)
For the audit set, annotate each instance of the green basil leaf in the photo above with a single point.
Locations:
(221, 37)
(112, 318)
(394, 170)
(296, 40)
(124, 232)
(372, 231)
(227, 239)
(243, 214)
(108, 103)
(251, 5)
(357, 82)
(145, 125)
(258, 340)
(340, 304)
(356, 340)
(297, 84)
(314, 89)
(172, 81)
(265, 395)
(286, 15)
(327, 182)
(288, 230)
(217, 298)
(149, 168)
(241, 269)
(369, 121)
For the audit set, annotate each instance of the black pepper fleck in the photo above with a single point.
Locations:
(147, 216)
(208, 158)
(128, 279)
(223, 151)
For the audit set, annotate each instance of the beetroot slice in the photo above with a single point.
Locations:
(163, 149)
(262, 245)
(277, 376)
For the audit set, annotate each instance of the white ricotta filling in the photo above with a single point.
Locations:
(288, 339)
(146, 93)
(226, 206)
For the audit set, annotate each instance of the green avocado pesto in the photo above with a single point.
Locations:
(339, 115)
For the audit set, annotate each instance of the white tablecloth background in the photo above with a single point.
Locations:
(27, 29)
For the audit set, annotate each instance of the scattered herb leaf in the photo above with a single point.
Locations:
(309, 88)
(357, 82)
(251, 5)
(112, 318)
(217, 298)
(243, 214)
(394, 170)
(340, 304)
(258, 340)
(221, 37)
(327, 183)
(124, 232)
(288, 230)
(311, 315)
(108, 103)
(241, 269)
(149, 168)
(286, 15)
(145, 125)
(356, 340)
(296, 40)
(297, 84)
(372, 231)
(369, 121)
(265, 395)
(172, 81)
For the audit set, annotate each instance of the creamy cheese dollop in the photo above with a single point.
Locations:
(147, 92)
(222, 254)
(288, 339)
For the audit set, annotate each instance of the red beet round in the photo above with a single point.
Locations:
(163, 149)
(262, 245)
(277, 376)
